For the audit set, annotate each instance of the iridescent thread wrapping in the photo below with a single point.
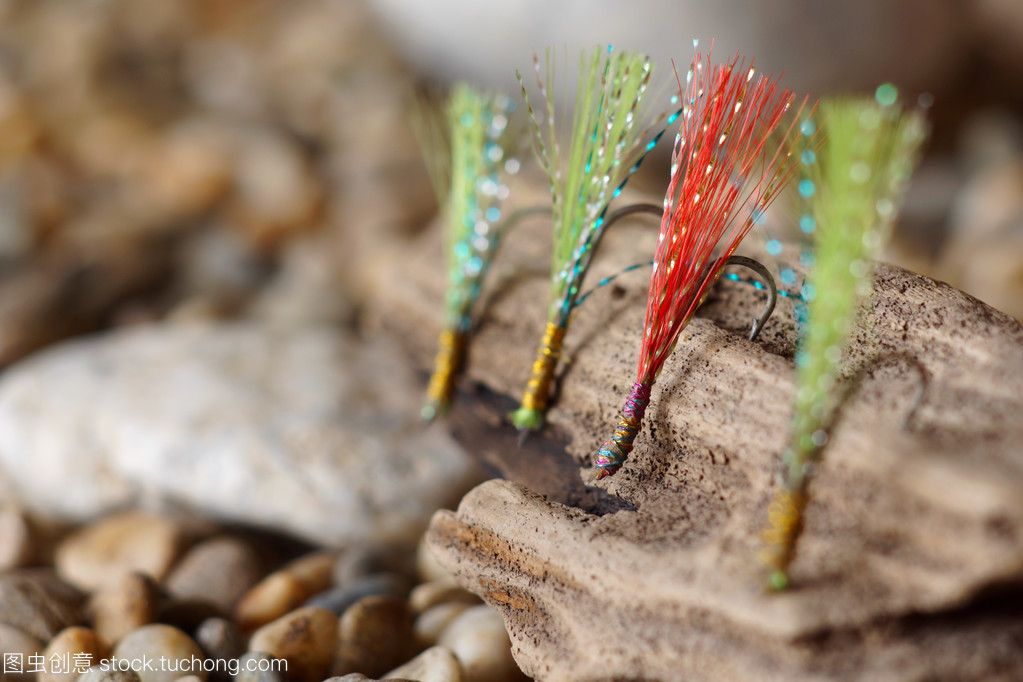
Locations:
(785, 522)
(541, 379)
(448, 364)
(613, 453)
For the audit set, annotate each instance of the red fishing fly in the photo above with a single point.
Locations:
(730, 159)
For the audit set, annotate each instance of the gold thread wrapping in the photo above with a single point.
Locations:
(785, 522)
(538, 389)
(447, 365)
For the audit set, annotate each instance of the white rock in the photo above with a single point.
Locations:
(479, 640)
(300, 430)
(828, 46)
(436, 664)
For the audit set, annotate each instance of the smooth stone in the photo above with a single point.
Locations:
(358, 562)
(340, 599)
(304, 430)
(69, 647)
(16, 540)
(189, 678)
(375, 636)
(258, 658)
(432, 622)
(97, 673)
(436, 664)
(479, 640)
(427, 566)
(285, 589)
(218, 571)
(305, 638)
(220, 639)
(101, 554)
(124, 607)
(38, 603)
(14, 641)
(430, 594)
(155, 641)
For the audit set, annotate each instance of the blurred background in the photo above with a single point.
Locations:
(221, 158)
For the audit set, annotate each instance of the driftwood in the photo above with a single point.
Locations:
(911, 565)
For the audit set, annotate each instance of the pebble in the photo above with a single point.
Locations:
(306, 638)
(14, 641)
(365, 560)
(376, 636)
(189, 678)
(127, 605)
(431, 594)
(478, 638)
(155, 641)
(340, 599)
(98, 674)
(257, 659)
(220, 639)
(286, 589)
(218, 571)
(101, 554)
(434, 620)
(15, 538)
(68, 648)
(436, 664)
(428, 567)
(38, 603)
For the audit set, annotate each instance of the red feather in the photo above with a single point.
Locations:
(728, 164)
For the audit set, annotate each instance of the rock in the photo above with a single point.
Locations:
(14, 641)
(218, 571)
(375, 635)
(256, 666)
(479, 640)
(219, 639)
(15, 538)
(355, 563)
(155, 641)
(285, 589)
(427, 39)
(125, 606)
(101, 554)
(71, 652)
(38, 603)
(301, 430)
(306, 638)
(432, 622)
(429, 569)
(100, 674)
(339, 599)
(274, 596)
(436, 664)
(430, 594)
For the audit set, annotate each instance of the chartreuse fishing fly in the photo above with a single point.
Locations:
(468, 153)
(608, 141)
(730, 160)
(852, 184)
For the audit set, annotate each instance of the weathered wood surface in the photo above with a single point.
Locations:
(912, 561)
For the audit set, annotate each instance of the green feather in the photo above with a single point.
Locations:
(606, 141)
(852, 185)
(467, 152)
